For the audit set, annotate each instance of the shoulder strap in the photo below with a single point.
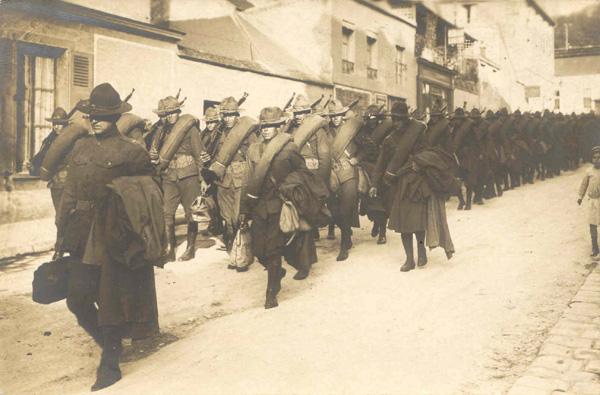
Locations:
(257, 178)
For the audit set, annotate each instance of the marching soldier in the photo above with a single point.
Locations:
(312, 141)
(234, 140)
(372, 134)
(178, 151)
(210, 136)
(126, 297)
(481, 172)
(395, 166)
(56, 184)
(270, 161)
(467, 146)
(346, 155)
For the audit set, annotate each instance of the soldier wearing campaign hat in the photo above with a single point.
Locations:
(126, 297)
(179, 153)
(56, 184)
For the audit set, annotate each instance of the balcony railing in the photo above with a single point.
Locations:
(347, 67)
(371, 73)
(401, 73)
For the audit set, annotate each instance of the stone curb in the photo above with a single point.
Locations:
(569, 360)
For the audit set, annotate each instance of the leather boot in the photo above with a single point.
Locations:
(109, 372)
(421, 250)
(469, 197)
(331, 232)
(273, 282)
(499, 188)
(382, 233)
(316, 235)
(192, 234)
(594, 233)
(345, 245)
(375, 230)
(171, 243)
(506, 183)
(461, 200)
(407, 243)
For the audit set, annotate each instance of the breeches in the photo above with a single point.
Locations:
(180, 191)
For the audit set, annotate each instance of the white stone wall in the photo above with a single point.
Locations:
(573, 89)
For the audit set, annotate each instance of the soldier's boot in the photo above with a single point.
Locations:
(273, 281)
(375, 230)
(407, 242)
(331, 232)
(506, 183)
(192, 234)
(499, 187)
(315, 234)
(109, 372)
(382, 232)
(461, 200)
(87, 317)
(518, 180)
(478, 195)
(421, 250)
(345, 245)
(594, 233)
(490, 191)
(469, 197)
(171, 243)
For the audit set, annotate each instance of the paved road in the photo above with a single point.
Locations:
(469, 325)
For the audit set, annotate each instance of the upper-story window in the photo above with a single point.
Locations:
(470, 8)
(400, 66)
(347, 50)
(372, 57)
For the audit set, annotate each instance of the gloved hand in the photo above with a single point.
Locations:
(373, 192)
(153, 155)
(242, 221)
(203, 187)
(353, 161)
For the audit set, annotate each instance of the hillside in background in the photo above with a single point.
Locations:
(584, 28)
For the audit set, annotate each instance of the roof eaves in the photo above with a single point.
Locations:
(76, 13)
(533, 4)
(381, 10)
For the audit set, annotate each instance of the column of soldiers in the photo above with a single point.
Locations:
(319, 158)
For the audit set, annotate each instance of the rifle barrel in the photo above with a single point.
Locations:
(316, 102)
(129, 95)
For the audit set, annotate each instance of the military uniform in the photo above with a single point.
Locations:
(126, 298)
(58, 180)
(344, 182)
(181, 175)
(269, 244)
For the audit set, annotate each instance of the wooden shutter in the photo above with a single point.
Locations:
(82, 70)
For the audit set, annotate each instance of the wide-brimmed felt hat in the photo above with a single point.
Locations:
(503, 111)
(301, 105)
(373, 112)
(104, 100)
(490, 114)
(399, 110)
(211, 115)
(272, 116)
(229, 106)
(517, 113)
(459, 113)
(59, 116)
(475, 113)
(335, 108)
(168, 105)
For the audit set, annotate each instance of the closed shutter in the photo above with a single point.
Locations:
(82, 71)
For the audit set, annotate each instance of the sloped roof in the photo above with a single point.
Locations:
(234, 42)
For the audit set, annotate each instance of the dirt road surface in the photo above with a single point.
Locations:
(470, 325)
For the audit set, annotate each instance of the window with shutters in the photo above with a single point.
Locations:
(81, 70)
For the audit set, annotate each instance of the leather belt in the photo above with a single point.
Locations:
(182, 161)
(84, 205)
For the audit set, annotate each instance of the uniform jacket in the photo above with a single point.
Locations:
(94, 162)
(186, 162)
(316, 153)
(285, 162)
(237, 169)
(361, 147)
